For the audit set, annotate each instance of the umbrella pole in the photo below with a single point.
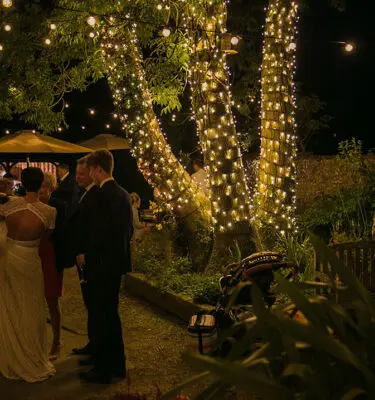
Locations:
(28, 161)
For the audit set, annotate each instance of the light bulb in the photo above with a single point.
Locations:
(92, 34)
(292, 46)
(59, 129)
(66, 105)
(7, 27)
(108, 126)
(91, 21)
(166, 32)
(7, 3)
(1, 47)
(83, 127)
(7, 132)
(92, 112)
(47, 42)
(235, 40)
(349, 47)
(53, 26)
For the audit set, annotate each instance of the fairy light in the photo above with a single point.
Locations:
(275, 194)
(47, 42)
(53, 27)
(1, 47)
(235, 40)
(92, 111)
(166, 32)
(91, 21)
(133, 104)
(208, 76)
(349, 47)
(7, 3)
(92, 35)
(7, 28)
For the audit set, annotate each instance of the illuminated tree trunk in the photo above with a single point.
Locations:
(154, 156)
(212, 102)
(275, 195)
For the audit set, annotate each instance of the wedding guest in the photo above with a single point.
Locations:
(80, 227)
(106, 260)
(52, 252)
(200, 176)
(67, 189)
(6, 186)
(139, 227)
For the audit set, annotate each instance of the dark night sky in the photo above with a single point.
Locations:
(344, 81)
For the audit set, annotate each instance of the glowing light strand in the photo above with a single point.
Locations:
(275, 197)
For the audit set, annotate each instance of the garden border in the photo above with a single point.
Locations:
(166, 301)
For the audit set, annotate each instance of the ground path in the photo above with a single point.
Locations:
(153, 343)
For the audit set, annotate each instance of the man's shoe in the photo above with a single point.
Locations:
(93, 376)
(82, 351)
(86, 361)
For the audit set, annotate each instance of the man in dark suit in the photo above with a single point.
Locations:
(107, 259)
(67, 189)
(81, 226)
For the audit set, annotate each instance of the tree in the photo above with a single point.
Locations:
(55, 51)
(276, 193)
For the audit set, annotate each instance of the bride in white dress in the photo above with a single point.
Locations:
(23, 330)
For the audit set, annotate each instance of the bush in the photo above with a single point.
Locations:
(327, 353)
(158, 257)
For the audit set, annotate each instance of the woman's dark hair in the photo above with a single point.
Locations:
(32, 179)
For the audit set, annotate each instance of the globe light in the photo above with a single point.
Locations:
(83, 127)
(1, 47)
(7, 3)
(349, 47)
(66, 105)
(160, 6)
(47, 42)
(166, 32)
(235, 40)
(92, 112)
(53, 26)
(59, 129)
(91, 21)
(292, 46)
(108, 126)
(7, 27)
(7, 132)
(92, 34)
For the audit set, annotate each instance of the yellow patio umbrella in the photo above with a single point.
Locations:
(106, 141)
(31, 142)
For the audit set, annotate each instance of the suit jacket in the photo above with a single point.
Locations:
(110, 242)
(58, 236)
(82, 222)
(68, 191)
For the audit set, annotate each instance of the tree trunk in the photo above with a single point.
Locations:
(275, 195)
(154, 156)
(212, 102)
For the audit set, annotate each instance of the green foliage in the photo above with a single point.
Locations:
(348, 213)
(164, 263)
(329, 354)
(297, 248)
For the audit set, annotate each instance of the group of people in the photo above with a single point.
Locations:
(84, 221)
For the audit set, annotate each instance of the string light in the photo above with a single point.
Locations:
(208, 76)
(1, 47)
(59, 129)
(349, 47)
(92, 111)
(92, 34)
(53, 26)
(91, 21)
(235, 40)
(47, 42)
(66, 105)
(166, 32)
(7, 3)
(155, 159)
(7, 132)
(108, 126)
(83, 127)
(7, 28)
(275, 195)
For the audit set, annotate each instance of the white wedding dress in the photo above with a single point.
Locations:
(23, 330)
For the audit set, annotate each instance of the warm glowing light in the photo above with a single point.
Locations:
(7, 28)
(59, 129)
(235, 40)
(66, 105)
(1, 47)
(92, 112)
(91, 21)
(292, 46)
(349, 47)
(166, 32)
(7, 132)
(53, 26)
(47, 42)
(7, 3)
(92, 34)
(160, 7)
(83, 127)
(108, 126)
